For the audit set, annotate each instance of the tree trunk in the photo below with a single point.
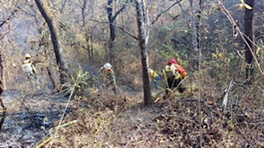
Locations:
(198, 32)
(1, 91)
(111, 18)
(83, 11)
(195, 37)
(249, 33)
(1, 70)
(142, 40)
(44, 10)
(111, 29)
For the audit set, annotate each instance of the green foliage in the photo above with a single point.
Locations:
(163, 54)
(169, 52)
(163, 32)
(165, 28)
(77, 82)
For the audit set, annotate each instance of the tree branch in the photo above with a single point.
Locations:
(159, 15)
(119, 11)
(130, 34)
(243, 36)
(121, 28)
(9, 17)
(1, 37)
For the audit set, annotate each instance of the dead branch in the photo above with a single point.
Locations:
(162, 12)
(8, 18)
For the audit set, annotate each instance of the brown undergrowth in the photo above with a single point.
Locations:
(121, 121)
(196, 118)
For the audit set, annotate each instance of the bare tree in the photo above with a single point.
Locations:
(142, 21)
(84, 5)
(195, 30)
(45, 12)
(249, 33)
(111, 18)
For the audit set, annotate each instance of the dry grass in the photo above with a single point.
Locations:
(121, 121)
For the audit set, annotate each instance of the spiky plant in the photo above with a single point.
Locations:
(77, 82)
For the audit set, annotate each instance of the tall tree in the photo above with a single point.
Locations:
(142, 21)
(195, 30)
(249, 33)
(111, 18)
(45, 12)
(83, 11)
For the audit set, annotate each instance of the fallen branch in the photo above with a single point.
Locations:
(50, 132)
(225, 100)
(44, 142)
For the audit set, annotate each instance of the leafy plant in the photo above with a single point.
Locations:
(77, 82)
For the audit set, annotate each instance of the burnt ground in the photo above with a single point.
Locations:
(29, 116)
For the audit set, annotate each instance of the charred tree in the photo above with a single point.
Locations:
(249, 36)
(142, 20)
(44, 10)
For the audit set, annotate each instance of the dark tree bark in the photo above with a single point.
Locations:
(111, 18)
(4, 114)
(142, 40)
(249, 33)
(2, 104)
(112, 30)
(44, 10)
(1, 68)
(83, 11)
(198, 32)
